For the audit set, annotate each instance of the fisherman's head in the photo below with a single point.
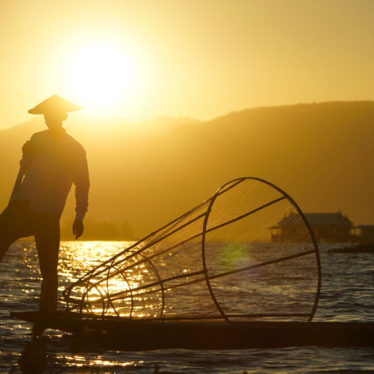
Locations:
(54, 119)
(55, 110)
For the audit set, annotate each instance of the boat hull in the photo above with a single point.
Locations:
(125, 334)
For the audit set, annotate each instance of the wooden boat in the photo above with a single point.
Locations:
(119, 333)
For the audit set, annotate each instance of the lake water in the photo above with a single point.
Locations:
(347, 295)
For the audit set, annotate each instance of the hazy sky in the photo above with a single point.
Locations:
(197, 58)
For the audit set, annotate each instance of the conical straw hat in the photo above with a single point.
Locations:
(55, 103)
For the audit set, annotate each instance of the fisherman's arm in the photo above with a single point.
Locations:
(27, 153)
(82, 185)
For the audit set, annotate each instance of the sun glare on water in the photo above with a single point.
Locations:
(100, 77)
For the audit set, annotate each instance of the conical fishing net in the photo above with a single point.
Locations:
(246, 253)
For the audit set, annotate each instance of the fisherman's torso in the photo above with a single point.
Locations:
(48, 162)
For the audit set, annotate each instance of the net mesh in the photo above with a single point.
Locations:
(246, 253)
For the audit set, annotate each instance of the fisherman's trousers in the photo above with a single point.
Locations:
(18, 221)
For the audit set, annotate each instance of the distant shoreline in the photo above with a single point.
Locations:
(361, 248)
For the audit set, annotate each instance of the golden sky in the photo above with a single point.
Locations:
(141, 59)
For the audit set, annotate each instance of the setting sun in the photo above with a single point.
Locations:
(100, 76)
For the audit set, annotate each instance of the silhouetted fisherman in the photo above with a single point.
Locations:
(52, 160)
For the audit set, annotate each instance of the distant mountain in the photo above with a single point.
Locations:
(143, 174)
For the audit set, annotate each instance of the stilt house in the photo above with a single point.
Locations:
(327, 227)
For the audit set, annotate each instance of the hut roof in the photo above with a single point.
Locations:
(315, 219)
(335, 219)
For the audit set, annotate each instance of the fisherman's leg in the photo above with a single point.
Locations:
(6, 240)
(47, 239)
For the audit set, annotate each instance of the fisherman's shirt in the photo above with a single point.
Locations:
(52, 163)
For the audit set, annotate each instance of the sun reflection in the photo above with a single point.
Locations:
(119, 290)
(82, 361)
(80, 257)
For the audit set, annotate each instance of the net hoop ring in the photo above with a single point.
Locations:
(235, 182)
